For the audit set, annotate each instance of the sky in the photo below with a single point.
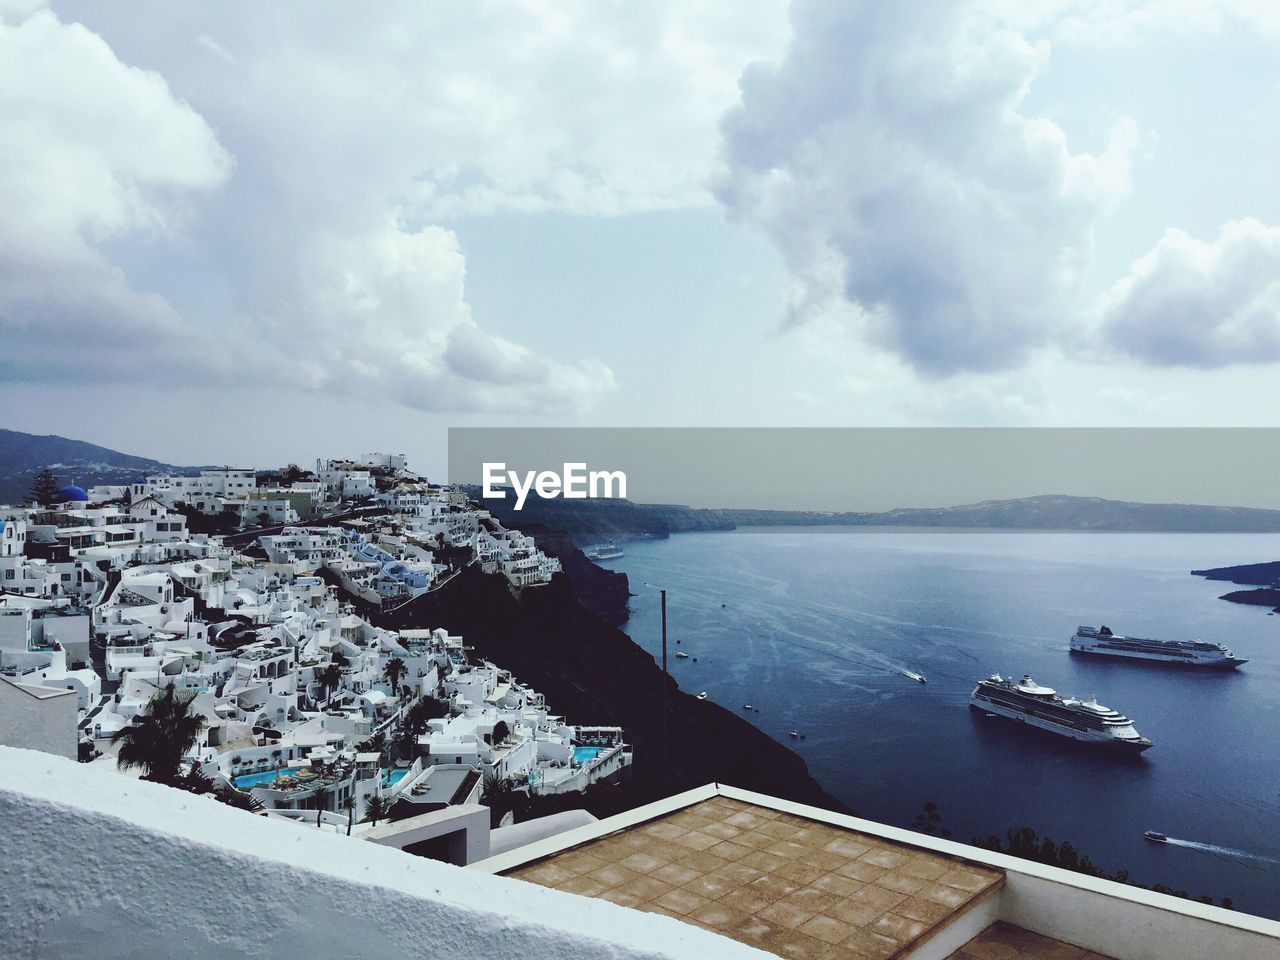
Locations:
(259, 233)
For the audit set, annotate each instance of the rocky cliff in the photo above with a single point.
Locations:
(592, 673)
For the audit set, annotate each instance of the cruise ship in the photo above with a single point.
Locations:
(1102, 642)
(1085, 720)
(608, 551)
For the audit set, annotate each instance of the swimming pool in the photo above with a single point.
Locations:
(249, 780)
(391, 777)
(586, 754)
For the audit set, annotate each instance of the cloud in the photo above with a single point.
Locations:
(1195, 304)
(385, 312)
(888, 160)
(321, 257)
(90, 150)
(1135, 21)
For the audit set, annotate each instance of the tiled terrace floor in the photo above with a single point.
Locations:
(1003, 941)
(792, 886)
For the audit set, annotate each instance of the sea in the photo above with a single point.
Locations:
(817, 630)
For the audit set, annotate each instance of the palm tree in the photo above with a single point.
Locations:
(376, 743)
(157, 740)
(329, 678)
(497, 793)
(375, 809)
(393, 670)
(929, 820)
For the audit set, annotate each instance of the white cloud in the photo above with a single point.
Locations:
(887, 159)
(354, 138)
(1196, 304)
(90, 150)
(1134, 21)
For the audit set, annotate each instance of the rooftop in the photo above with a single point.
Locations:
(800, 882)
(786, 884)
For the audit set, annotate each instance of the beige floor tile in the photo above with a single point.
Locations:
(718, 915)
(728, 850)
(840, 886)
(902, 929)
(681, 901)
(644, 889)
(642, 862)
(785, 914)
(710, 886)
(676, 874)
(871, 944)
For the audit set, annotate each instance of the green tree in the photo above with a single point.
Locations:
(329, 678)
(498, 794)
(375, 744)
(393, 670)
(929, 820)
(44, 489)
(500, 731)
(414, 720)
(375, 809)
(157, 740)
(238, 799)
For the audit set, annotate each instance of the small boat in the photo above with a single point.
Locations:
(917, 677)
(702, 695)
(747, 706)
(794, 733)
(682, 655)
(1156, 837)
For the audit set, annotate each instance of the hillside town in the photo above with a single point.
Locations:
(237, 607)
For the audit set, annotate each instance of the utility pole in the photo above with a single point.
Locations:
(666, 680)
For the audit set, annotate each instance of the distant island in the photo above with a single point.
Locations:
(1264, 578)
(592, 520)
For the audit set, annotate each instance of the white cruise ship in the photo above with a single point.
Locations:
(1102, 642)
(1085, 720)
(608, 551)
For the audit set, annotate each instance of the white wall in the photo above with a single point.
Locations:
(125, 868)
(45, 723)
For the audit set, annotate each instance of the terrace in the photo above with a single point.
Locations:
(800, 883)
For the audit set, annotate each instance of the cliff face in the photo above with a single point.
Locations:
(593, 673)
(603, 592)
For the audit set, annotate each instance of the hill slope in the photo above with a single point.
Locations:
(593, 520)
(23, 455)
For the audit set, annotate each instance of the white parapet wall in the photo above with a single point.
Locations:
(96, 864)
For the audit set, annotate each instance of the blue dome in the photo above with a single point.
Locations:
(72, 494)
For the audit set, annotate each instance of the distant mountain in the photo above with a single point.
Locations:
(1060, 512)
(591, 520)
(23, 455)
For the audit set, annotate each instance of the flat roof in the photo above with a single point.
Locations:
(785, 883)
(38, 692)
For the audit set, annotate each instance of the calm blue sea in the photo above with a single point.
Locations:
(815, 629)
